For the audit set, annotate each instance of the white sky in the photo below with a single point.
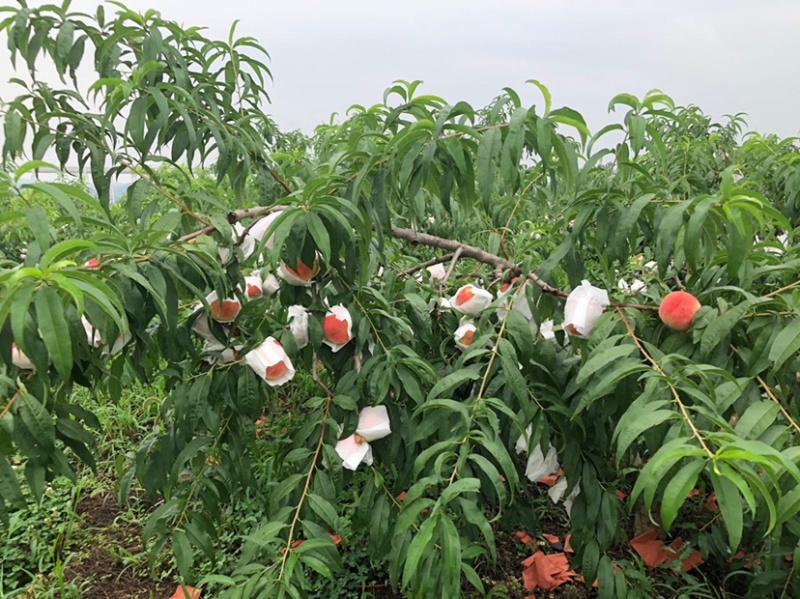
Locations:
(724, 55)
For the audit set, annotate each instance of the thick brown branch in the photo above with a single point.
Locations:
(454, 247)
(469, 251)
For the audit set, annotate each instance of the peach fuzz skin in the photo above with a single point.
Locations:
(677, 310)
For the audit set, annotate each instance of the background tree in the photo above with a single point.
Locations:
(356, 211)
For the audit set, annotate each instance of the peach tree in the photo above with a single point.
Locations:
(436, 288)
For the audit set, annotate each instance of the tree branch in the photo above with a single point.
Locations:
(280, 180)
(665, 378)
(426, 264)
(233, 218)
(469, 251)
(142, 175)
(454, 247)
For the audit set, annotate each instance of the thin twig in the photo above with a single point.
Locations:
(309, 477)
(314, 368)
(10, 403)
(142, 175)
(485, 379)
(640, 307)
(452, 267)
(782, 289)
(233, 218)
(513, 210)
(280, 181)
(774, 398)
(426, 264)
(312, 468)
(672, 388)
(469, 251)
(771, 395)
(257, 217)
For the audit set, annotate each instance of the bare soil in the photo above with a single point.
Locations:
(105, 567)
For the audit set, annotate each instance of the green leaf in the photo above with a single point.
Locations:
(315, 563)
(444, 404)
(39, 224)
(788, 505)
(247, 396)
(590, 559)
(608, 381)
(601, 359)
(545, 92)
(512, 148)
(54, 329)
(459, 487)
(451, 557)
(760, 453)
(786, 345)
(634, 427)
(476, 516)
(677, 489)
(756, 419)
(184, 554)
(10, 491)
(662, 461)
(319, 234)
(135, 122)
(514, 378)
(491, 473)
(418, 547)
(324, 509)
(694, 231)
(38, 422)
(721, 326)
(68, 247)
(730, 505)
(12, 129)
(265, 534)
(668, 234)
(64, 42)
(452, 381)
(626, 99)
(625, 224)
(488, 151)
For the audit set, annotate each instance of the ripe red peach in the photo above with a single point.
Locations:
(276, 371)
(303, 271)
(464, 295)
(335, 330)
(466, 338)
(677, 310)
(225, 310)
(254, 291)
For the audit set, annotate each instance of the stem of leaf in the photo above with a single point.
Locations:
(311, 468)
(660, 371)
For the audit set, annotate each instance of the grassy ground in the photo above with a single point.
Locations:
(81, 542)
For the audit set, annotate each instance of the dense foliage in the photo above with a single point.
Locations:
(665, 195)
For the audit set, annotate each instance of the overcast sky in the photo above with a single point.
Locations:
(725, 56)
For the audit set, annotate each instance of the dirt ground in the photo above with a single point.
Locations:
(103, 558)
